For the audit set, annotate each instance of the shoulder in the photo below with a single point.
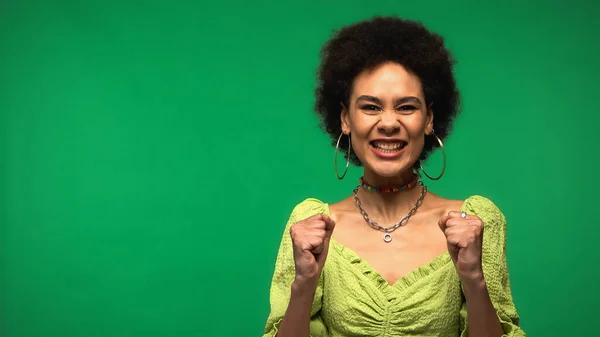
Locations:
(306, 208)
(494, 220)
(483, 207)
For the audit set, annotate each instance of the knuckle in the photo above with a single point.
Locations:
(478, 225)
(295, 233)
(319, 223)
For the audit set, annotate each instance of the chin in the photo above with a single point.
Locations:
(390, 171)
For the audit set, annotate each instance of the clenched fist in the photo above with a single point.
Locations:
(464, 236)
(310, 240)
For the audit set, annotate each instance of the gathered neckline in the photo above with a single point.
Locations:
(382, 284)
(405, 281)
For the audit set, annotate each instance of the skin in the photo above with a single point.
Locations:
(387, 102)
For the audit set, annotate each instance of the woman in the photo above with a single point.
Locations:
(392, 259)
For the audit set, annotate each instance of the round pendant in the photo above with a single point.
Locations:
(387, 237)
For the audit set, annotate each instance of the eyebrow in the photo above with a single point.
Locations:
(401, 100)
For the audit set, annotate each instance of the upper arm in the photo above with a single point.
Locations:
(494, 264)
(284, 274)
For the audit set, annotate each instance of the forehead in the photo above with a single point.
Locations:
(387, 80)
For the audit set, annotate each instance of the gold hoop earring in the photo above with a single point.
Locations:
(335, 155)
(444, 156)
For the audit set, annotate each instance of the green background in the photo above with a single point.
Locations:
(152, 151)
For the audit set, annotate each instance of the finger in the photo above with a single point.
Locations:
(462, 239)
(456, 230)
(327, 219)
(329, 225)
(310, 218)
(318, 216)
(311, 243)
(299, 232)
(322, 256)
(458, 240)
(318, 249)
(472, 226)
(323, 217)
(312, 222)
(325, 250)
(322, 221)
(458, 214)
(314, 219)
(305, 234)
(442, 222)
(456, 221)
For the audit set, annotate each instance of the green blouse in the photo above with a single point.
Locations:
(352, 299)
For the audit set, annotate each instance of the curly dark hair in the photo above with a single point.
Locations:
(370, 43)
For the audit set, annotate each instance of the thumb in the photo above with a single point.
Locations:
(322, 256)
(329, 226)
(442, 222)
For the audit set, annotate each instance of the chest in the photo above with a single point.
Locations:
(410, 248)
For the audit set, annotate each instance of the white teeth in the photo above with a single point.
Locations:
(388, 146)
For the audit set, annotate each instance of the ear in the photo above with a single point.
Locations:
(429, 123)
(345, 119)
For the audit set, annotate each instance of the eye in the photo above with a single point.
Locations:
(407, 108)
(370, 108)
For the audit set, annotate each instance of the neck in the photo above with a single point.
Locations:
(389, 207)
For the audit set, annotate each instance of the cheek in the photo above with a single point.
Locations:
(417, 137)
(361, 128)
(417, 146)
(359, 142)
(416, 134)
(415, 126)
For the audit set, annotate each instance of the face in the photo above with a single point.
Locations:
(387, 118)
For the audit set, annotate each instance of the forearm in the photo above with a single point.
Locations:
(296, 322)
(481, 314)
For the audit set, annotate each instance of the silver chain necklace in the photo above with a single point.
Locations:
(388, 230)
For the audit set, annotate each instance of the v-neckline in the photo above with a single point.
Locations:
(406, 280)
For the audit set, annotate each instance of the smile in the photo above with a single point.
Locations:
(388, 146)
(389, 149)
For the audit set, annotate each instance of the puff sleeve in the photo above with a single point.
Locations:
(284, 274)
(494, 266)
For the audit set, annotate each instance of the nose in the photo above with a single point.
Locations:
(389, 122)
